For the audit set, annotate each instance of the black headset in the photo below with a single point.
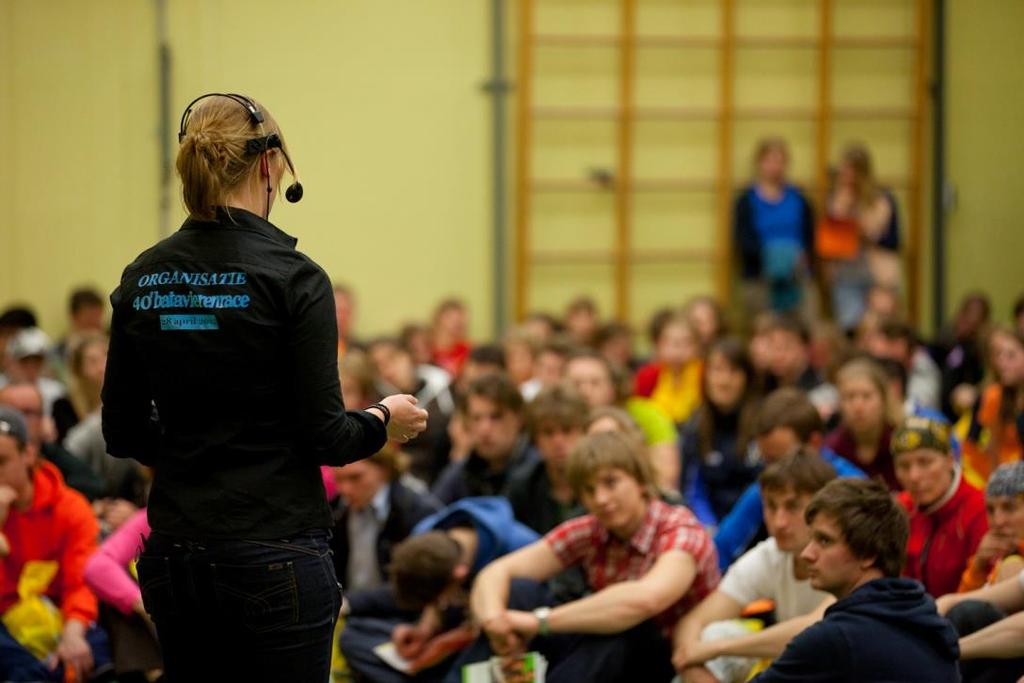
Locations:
(259, 145)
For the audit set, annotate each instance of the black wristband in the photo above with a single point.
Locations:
(384, 410)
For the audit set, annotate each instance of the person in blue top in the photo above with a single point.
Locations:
(787, 421)
(774, 232)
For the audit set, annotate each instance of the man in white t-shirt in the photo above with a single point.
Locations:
(710, 644)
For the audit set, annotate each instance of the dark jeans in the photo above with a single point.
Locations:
(974, 615)
(242, 610)
(18, 664)
(639, 654)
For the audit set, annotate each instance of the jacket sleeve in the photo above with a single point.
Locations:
(107, 570)
(820, 653)
(329, 434)
(748, 244)
(692, 485)
(79, 544)
(129, 427)
(739, 527)
(807, 231)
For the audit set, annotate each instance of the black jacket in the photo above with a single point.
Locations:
(886, 630)
(406, 509)
(223, 375)
(473, 476)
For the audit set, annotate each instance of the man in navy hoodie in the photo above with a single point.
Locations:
(882, 627)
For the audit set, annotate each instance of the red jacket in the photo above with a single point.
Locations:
(59, 525)
(944, 540)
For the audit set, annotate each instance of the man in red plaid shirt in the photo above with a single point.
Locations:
(646, 562)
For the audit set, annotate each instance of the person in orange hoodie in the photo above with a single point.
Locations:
(41, 519)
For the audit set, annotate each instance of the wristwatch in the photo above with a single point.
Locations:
(542, 614)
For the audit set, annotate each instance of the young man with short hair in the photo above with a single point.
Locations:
(772, 570)
(493, 414)
(541, 495)
(882, 627)
(786, 422)
(647, 563)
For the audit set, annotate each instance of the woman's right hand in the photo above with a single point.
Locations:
(406, 419)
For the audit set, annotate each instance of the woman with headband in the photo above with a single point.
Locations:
(222, 376)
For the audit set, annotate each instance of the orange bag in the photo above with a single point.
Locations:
(837, 238)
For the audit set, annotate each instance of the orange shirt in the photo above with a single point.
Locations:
(58, 526)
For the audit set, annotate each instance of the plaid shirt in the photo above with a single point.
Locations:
(608, 560)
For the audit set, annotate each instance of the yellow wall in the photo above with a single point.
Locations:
(985, 96)
(78, 182)
(382, 111)
(388, 126)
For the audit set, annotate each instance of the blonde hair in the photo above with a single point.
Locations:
(858, 158)
(605, 450)
(868, 369)
(83, 392)
(214, 157)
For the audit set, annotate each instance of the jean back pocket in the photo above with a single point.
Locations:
(260, 597)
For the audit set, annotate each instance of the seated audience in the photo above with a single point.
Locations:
(993, 431)
(604, 385)
(521, 350)
(707, 319)
(540, 495)
(672, 380)
(397, 373)
(28, 351)
(991, 643)
(493, 414)
(1000, 553)
(123, 478)
(785, 423)
(772, 570)
(108, 573)
(26, 399)
(647, 563)
(881, 627)
(898, 341)
(582, 321)
(45, 526)
(614, 341)
(960, 352)
(449, 335)
(430, 574)
(374, 512)
(866, 419)
(789, 363)
(718, 461)
(947, 515)
(345, 316)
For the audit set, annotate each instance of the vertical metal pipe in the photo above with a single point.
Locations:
(939, 165)
(164, 115)
(498, 89)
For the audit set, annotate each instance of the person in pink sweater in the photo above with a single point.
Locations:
(107, 573)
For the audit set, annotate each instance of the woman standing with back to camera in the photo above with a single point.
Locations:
(222, 376)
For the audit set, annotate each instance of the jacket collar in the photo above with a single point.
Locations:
(233, 218)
